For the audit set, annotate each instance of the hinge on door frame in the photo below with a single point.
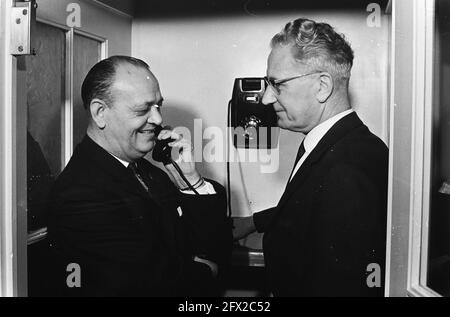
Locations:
(23, 17)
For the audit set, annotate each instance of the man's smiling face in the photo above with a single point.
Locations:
(134, 113)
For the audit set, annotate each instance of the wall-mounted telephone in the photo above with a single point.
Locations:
(162, 152)
(255, 124)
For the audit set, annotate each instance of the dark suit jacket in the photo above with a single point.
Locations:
(127, 242)
(330, 223)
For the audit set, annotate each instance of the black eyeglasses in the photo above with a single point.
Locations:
(275, 84)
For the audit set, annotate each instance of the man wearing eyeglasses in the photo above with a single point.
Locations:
(326, 236)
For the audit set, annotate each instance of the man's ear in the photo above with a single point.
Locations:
(326, 87)
(98, 109)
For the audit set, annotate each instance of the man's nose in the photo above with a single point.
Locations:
(155, 116)
(269, 97)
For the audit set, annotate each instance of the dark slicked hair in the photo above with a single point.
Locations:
(319, 46)
(98, 82)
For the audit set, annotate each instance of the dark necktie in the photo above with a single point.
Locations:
(144, 181)
(300, 153)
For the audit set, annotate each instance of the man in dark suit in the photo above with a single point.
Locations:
(120, 220)
(326, 236)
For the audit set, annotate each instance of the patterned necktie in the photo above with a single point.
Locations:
(133, 167)
(146, 182)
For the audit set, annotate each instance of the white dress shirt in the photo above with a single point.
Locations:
(315, 135)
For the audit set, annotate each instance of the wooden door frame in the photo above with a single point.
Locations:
(412, 79)
(9, 270)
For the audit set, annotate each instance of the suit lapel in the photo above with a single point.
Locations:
(156, 190)
(337, 132)
(121, 181)
(112, 167)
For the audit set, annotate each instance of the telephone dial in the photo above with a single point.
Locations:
(250, 117)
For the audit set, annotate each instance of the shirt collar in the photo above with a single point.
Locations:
(124, 163)
(315, 135)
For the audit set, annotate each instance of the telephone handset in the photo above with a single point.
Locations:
(162, 152)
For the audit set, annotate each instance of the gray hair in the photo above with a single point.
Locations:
(319, 47)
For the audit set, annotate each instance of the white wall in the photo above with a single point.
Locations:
(197, 59)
